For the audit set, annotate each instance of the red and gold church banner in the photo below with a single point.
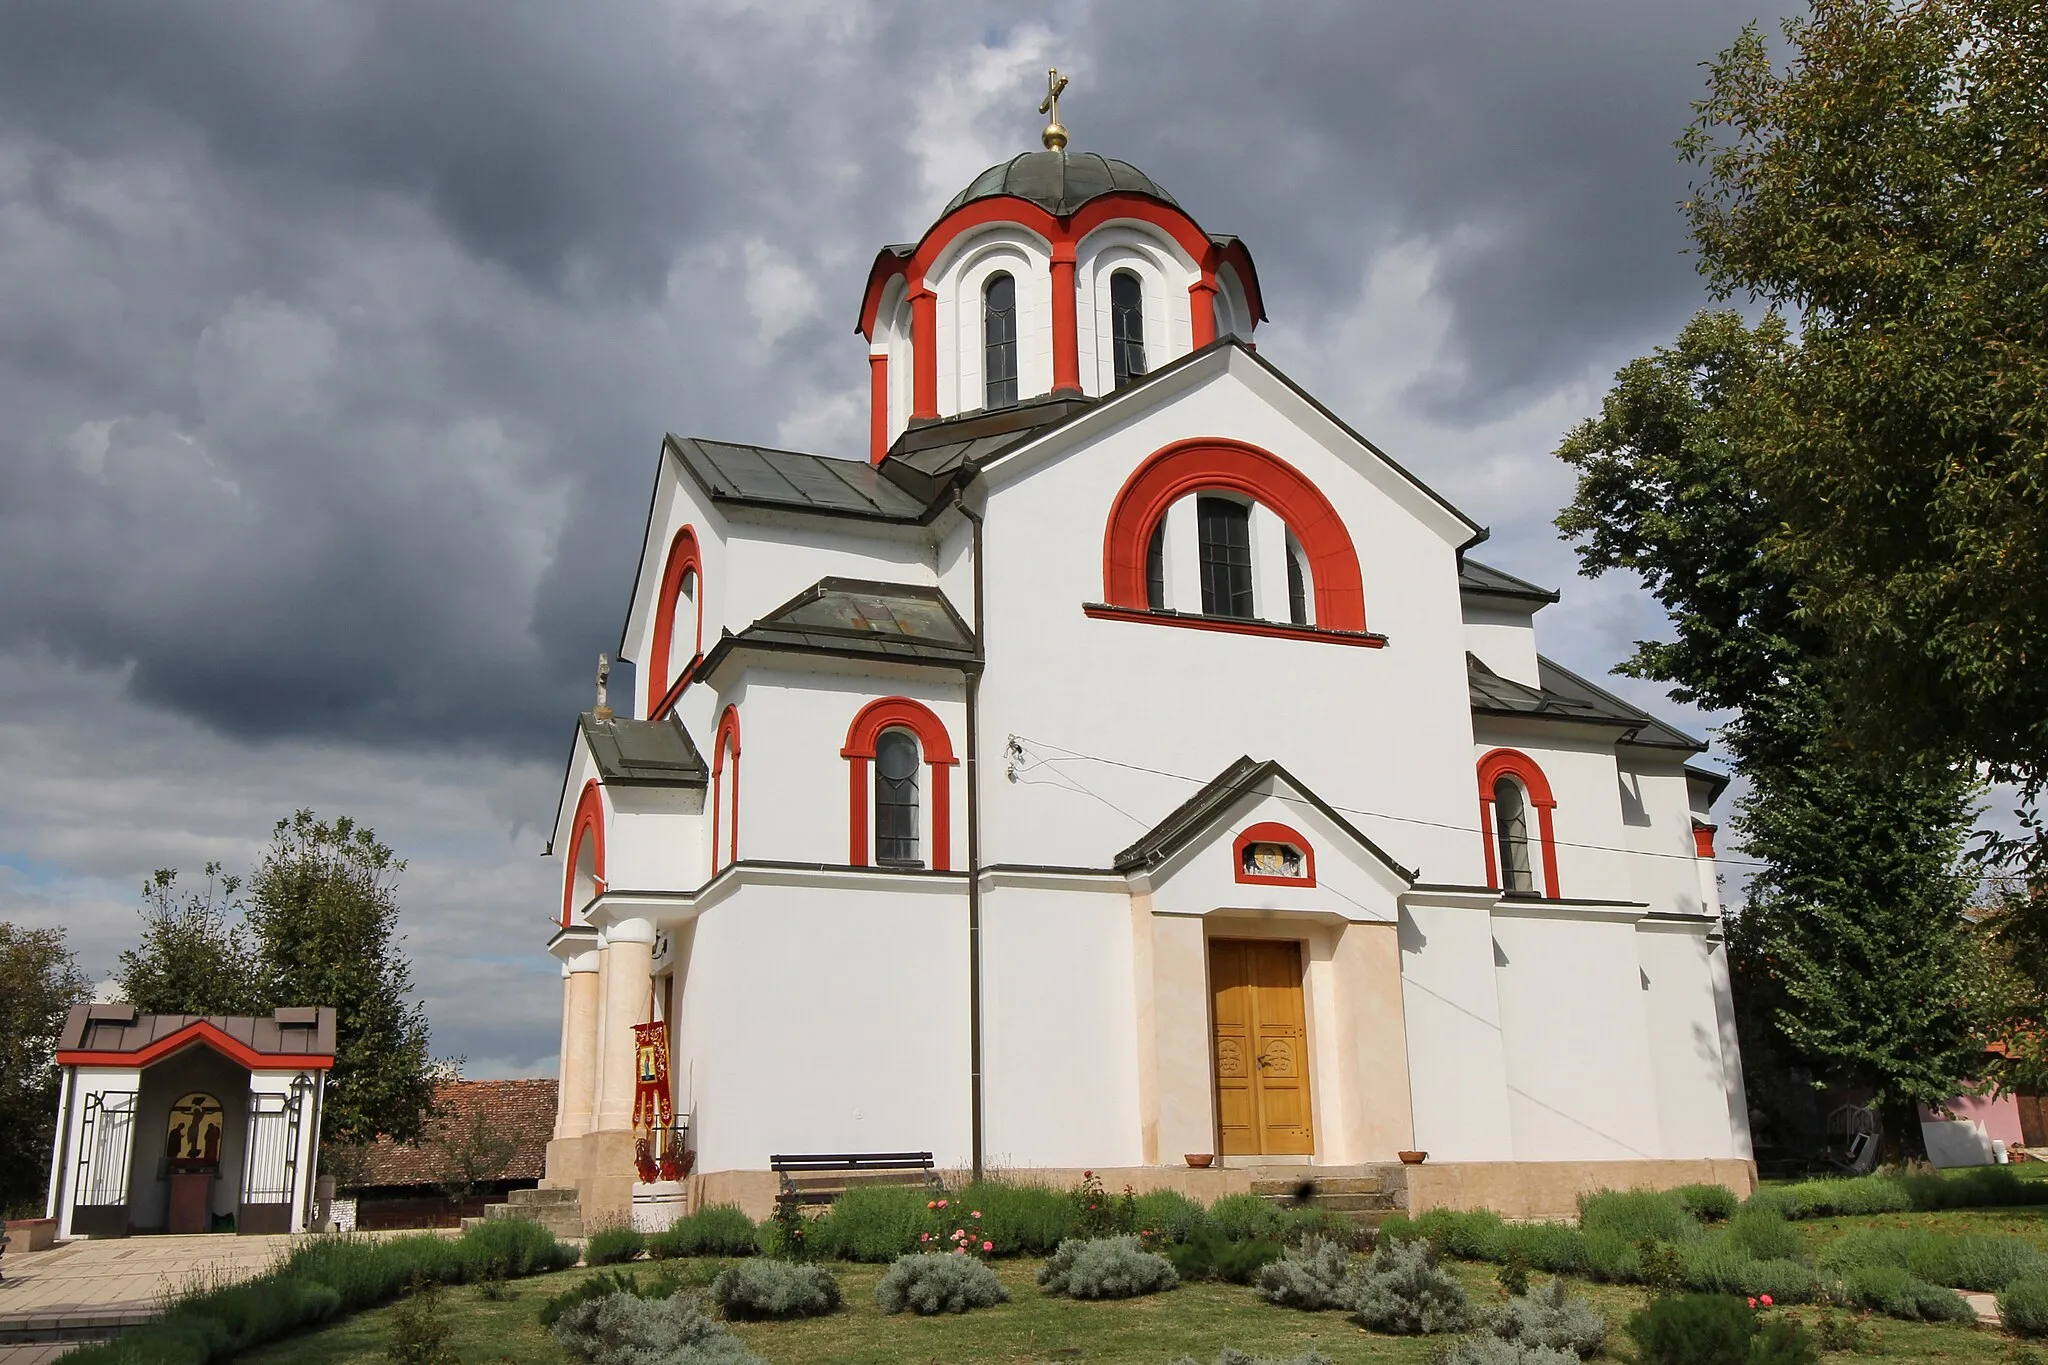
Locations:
(654, 1135)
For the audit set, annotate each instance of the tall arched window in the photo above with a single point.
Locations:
(1511, 832)
(1155, 568)
(1224, 526)
(1127, 326)
(584, 877)
(725, 790)
(1297, 582)
(896, 799)
(999, 342)
(678, 621)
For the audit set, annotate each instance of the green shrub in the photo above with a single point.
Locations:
(1896, 1292)
(1693, 1329)
(1783, 1343)
(1980, 1187)
(603, 1285)
(1310, 1279)
(1719, 1265)
(511, 1247)
(1024, 1220)
(1106, 1268)
(1708, 1203)
(420, 1330)
(623, 1329)
(1403, 1292)
(2023, 1307)
(1764, 1234)
(1207, 1256)
(1479, 1235)
(1245, 1218)
(1553, 1247)
(714, 1230)
(1658, 1215)
(1611, 1257)
(873, 1223)
(1230, 1355)
(1968, 1262)
(1169, 1215)
(1835, 1196)
(931, 1283)
(775, 1289)
(1549, 1319)
(1493, 1351)
(613, 1246)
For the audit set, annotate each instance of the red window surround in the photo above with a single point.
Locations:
(1703, 839)
(1271, 832)
(891, 713)
(878, 407)
(663, 686)
(588, 823)
(1213, 462)
(1513, 763)
(726, 749)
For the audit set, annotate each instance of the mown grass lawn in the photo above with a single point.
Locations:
(1197, 1320)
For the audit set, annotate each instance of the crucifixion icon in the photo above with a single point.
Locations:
(1054, 136)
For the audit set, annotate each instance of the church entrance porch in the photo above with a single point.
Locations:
(1261, 1048)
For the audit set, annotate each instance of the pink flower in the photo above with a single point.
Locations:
(988, 1246)
(1765, 1301)
(1087, 1175)
(975, 1214)
(1752, 1303)
(931, 1203)
(959, 1232)
(941, 1204)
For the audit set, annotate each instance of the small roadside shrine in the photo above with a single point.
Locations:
(182, 1123)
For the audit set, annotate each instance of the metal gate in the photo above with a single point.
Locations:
(106, 1145)
(270, 1162)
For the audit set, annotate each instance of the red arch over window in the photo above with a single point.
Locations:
(899, 713)
(1514, 763)
(728, 740)
(587, 823)
(683, 557)
(1212, 462)
(1273, 832)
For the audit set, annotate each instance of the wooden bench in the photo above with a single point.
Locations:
(819, 1178)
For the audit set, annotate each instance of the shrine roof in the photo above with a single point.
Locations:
(760, 476)
(1243, 778)
(1060, 182)
(643, 752)
(521, 1113)
(1564, 695)
(116, 1033)
(859, 618)
(1487, 581)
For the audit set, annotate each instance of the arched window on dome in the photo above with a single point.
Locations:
(999, 341)
(896, 794)
(1127, 326)
(1224, 528)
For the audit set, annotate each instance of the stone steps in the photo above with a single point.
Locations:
(556, 1210)
(1364, 1195)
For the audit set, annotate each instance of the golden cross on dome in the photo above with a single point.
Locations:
(1054, 136)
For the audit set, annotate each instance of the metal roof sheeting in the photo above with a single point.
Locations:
(1564, 695)
(731, 472)
(1060, 182)
(643, 752)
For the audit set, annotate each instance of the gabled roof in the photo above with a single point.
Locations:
(118, 1034)
(1564, 695)
(643, 753)
(860, 618)
(1242, 778)
(759, 476)
(1483, 580)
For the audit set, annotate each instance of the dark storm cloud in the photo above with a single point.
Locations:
(339, 338)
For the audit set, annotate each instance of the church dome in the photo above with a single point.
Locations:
(1060, 182)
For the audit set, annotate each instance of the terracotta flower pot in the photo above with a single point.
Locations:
(1413, 1158)
(1201, 1161)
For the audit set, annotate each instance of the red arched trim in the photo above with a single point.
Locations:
(727, 740)
(1513, 763)
(878, 400)
(1703, 839)
(683, 557)
(1202, 311)
(898, 713)
(1212, 462)
(924, 353)
(1271, 832)
(1066, 321)
(587, 823)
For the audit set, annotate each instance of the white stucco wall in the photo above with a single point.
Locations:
(1686, 1056)
(1457, 1070)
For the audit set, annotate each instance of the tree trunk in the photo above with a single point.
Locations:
(1902, 1141)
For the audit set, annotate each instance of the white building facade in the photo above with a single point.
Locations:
(1126, 762)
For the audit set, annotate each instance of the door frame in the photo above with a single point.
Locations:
(1310, 940)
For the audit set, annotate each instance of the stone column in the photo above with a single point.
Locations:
(577, 1095)
(628, 976)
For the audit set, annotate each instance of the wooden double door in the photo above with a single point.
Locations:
(1261, 1048)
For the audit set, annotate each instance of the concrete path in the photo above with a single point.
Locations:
(89, 1289)
(1985, 1306)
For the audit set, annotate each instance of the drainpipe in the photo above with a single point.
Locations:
(974, 843)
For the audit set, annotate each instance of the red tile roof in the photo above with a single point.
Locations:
(474, 1115)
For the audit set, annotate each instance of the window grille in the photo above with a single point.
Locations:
(105, 1145)
(1225, 531)
(1127, 326)
(896, 799)
(999, 342)
(271, 1157)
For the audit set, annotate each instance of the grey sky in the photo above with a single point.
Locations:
(338, 339)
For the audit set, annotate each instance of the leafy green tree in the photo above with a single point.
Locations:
(193, 957)
(1888, 186)
(1853, 953)
(324, 914)
(39, 985)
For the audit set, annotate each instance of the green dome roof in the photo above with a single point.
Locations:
(1060, 182)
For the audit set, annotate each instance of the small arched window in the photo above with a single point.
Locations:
(1224, 529)
(1127, 326)
(1511, 829)
(999, 342)
(1297, 582)
(725, 790)
(896, 760)
(1155, 568)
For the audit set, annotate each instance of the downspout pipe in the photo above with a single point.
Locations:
(974, 1083)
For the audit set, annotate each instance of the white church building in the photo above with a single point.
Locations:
(1127, 762)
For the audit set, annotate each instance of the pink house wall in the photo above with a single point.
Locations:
(1998, 1112)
